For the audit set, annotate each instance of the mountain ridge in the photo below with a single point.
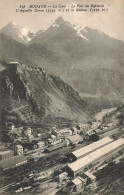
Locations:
(30, 95)
(77, 55)
(18, 33)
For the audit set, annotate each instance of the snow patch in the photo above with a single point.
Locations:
(78, 31)
(55, 25)
(13, 23)
(17, 32)
(24, 31)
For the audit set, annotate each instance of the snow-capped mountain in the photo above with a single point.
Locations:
(79, 31)
(87, 59)
(58, 27)
(18, 33)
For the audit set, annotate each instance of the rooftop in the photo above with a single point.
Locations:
(63, 174)
(5, 152)
(106, 149)
(95, 155)
(80, 163)
(12, 161)
(90, 175)
(51, 148)
(85, 150)
(76, 181)
(75, 138)
(13, 62)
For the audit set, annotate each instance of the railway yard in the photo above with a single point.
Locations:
(52, 170)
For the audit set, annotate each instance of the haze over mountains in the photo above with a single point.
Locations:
(87, 59)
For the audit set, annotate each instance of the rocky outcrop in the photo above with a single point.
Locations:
(34, 96)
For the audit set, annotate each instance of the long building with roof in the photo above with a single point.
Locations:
(13, 162)
(55, 147)
(95, 157)
(6, 154)
(77, 154)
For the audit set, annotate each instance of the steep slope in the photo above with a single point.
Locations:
(87, 59)
(91, 61)
(11, 50)
(98, 82)
(18, 33)
(30, 95)
(84, 48)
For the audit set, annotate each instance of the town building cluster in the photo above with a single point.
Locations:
(100, 147)
(24, 139)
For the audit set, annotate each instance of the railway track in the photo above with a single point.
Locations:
(44, 163)
(19, 173)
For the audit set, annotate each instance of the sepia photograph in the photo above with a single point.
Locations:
(62, 97)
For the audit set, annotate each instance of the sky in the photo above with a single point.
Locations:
(111, 22)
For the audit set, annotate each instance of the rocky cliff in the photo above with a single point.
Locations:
(30, 95)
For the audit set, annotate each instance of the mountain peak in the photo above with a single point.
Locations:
(12, 23)
(60, 20)
(18, 33)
